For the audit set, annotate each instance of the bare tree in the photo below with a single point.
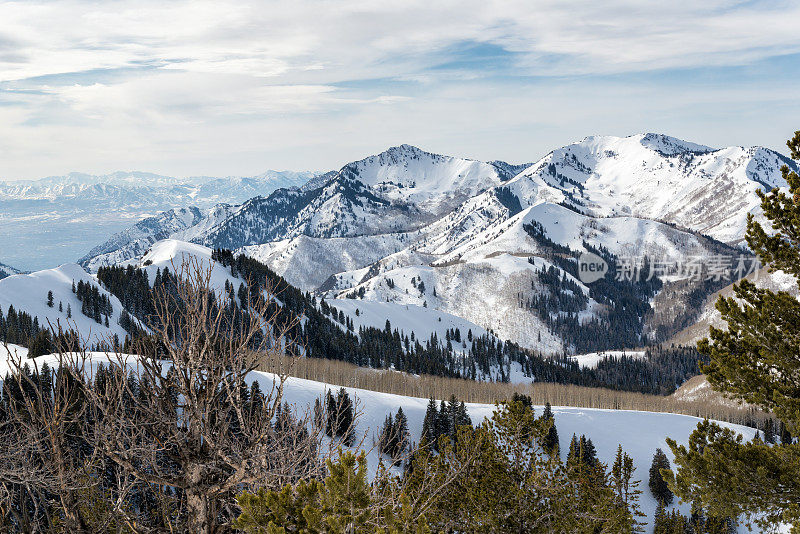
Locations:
(48, 461)
(177, 416)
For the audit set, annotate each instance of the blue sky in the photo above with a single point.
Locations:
(223, 88)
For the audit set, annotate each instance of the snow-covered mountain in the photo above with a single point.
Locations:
(7, 270)
(397, 191)
(133, 242)
(57, 219)
(657, 177)
(207, 190)
(496, 243)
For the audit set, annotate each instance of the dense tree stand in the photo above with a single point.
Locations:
(756, 360)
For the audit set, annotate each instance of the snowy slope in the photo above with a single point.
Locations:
(7, 270)
(591, 359)
(396, 191)
(13, 351)
(449, 200)
(182, 223)
(433, 182)
(483, 275)
(307, 262)
(28, 292)
(709, 315)
(639, 433)
(407, 318)
(172, 254)
(658, 177)
(482, 292)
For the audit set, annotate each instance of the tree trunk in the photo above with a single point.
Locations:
(200, 518)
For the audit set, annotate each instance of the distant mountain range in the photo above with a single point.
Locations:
(56, 219)
(125, 186)
(497, 243)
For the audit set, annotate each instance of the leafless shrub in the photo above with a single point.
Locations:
(178, 416)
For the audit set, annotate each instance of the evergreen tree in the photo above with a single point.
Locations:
(400, 432)
(589, 453)
(756, 360)
(430, 434)
(769, 430)
(41, 344)
(550, 442)
(340, 417)
(623, 482)
(660, 520)
(50, 299)
(343, 503)
(658, 486)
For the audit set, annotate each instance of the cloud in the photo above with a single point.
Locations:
(171, 76)
(354, 39)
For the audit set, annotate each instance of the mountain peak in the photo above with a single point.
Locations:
(666, 144)
(404, 149)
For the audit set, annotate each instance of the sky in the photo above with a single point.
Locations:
(220, 88)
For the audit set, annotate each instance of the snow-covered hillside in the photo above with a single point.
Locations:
(307, 262)
(433, 182)
(659, 177)
(708, 315)
(181, 223)
(173, 254)
(397, 191)
(591, 359)
(28, 293)
(7, 270)
(484, 274)
(639, 433)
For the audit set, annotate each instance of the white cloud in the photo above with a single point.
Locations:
(150, 83)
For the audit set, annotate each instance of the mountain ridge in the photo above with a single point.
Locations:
(482, 244)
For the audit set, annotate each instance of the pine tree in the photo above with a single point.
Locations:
(50, 299)
(443, 421)
(386, 437)
(573, 453)
(658, 486)
(331, 412)
(660, 520)
(756, 360)
(550, 442)
(769, 430)
(340, 417)
(430, 435)
(589, 453)
(623, 482)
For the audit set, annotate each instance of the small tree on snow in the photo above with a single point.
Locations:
(658, 486)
